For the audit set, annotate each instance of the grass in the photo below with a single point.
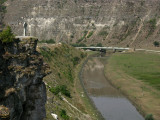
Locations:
(60, 88)
(136, 75)
(145, 67)
(64, 62)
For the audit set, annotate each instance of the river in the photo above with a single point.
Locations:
(108, 100)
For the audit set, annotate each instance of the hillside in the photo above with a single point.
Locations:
(133, 23)
(64, 92)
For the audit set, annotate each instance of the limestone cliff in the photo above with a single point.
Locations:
(2, 11)
(111, 22)
(22, 91)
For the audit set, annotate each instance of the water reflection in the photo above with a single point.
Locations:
(108, 100)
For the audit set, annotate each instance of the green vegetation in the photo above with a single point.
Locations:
(82, 38)
(76, 60)
(142, 66)
(103, 33)
(6, 36)
(152, 26)
(51, 41)
(63, 60)
(149, 117)
(79, 45)
(60, 88)
(125, 36)
(64, 115)
(99, 45)
(156, 43)
(63, 79)
(72, 36)
(90, 34)
(46, 53)
(2, 7)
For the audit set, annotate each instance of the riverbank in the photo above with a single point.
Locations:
(92, 110)
(133, 74)
(63, 95)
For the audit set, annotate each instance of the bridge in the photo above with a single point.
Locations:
(103, 49)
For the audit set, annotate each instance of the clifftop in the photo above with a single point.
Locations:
(23, 93)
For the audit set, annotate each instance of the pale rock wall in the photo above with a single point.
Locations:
(61, 19)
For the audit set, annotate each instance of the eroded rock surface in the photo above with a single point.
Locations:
(111, 22)
(22, 90)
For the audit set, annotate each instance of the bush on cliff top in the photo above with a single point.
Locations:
(6, 36)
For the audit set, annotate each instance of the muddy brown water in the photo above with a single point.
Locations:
(108, 100)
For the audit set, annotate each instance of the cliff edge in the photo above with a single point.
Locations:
(23, 93)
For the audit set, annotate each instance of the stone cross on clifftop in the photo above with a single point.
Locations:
(25, 27)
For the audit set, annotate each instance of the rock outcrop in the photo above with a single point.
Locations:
(111, 22)
(23, 93)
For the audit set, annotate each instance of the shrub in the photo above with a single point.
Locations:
(92, 45)
(103, 33)
(76, 60)
(62, 88)
(99, 45)
(156, 44)
(149, 117)
(64, 91)
(79, 45)
(6, 36)
(51, 41)
(83, 55)
(2, 7)
(90, 34)
(54, 90)
(84, 36)
(152, 26)
(64, 115)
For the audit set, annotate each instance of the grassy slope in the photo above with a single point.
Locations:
(65, 69)
(145, 67)
(138, 76)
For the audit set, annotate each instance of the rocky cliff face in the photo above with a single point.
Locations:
(2, 11)
(23, 93)
(111, 22)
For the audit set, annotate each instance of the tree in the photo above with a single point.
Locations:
(149, 117)
(6, 36)
(99, 45)
(156, 44)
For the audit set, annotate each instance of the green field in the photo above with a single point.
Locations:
(140, 65)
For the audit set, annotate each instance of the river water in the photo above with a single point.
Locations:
(108, 100)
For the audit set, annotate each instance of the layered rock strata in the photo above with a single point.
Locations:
(22, 90)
